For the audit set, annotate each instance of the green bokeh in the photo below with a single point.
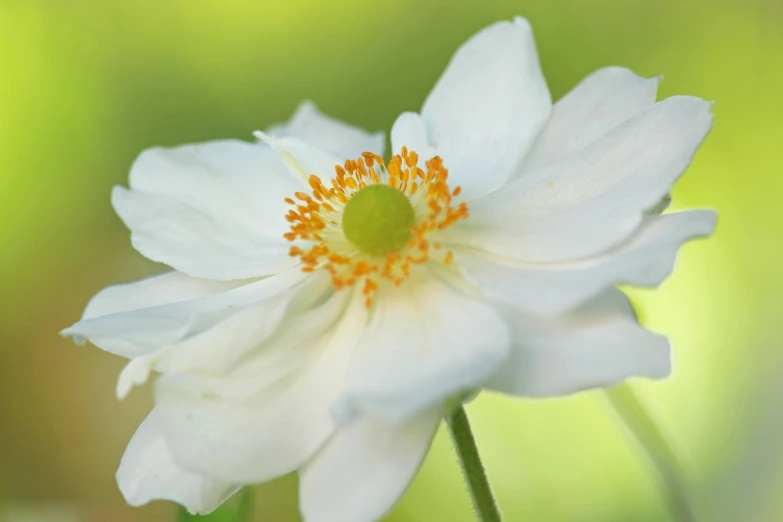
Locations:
(86, 85)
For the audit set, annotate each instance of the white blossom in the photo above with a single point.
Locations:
(304, 329)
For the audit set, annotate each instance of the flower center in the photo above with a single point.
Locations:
(375, 222)
(378, 220)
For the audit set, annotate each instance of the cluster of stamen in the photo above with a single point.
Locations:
(318, 218)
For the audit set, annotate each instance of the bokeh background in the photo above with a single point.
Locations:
(85, 85)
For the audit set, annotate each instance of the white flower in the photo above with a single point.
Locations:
(333, 351)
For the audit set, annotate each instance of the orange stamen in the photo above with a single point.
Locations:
(317, 219)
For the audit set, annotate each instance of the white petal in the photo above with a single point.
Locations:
(301, 158)
(271, 416)
(488, 107)
(600, 344)
(328, 134)
(600, 102)
(232, 340)
(258, 306)
(410, 130)
(230, 179)
(200, 244)
(136, 373)
(157, 290)
(212, 210)
(148, 472)
(425, 342)
(644, 260)
(364, 470)
(592, 200)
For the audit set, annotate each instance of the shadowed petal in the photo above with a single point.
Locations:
(597, 345)
(362, 472)
(600, 102)
(595, 199)
(269, 416)
(425, 342)
(148, 472)
(644, 260)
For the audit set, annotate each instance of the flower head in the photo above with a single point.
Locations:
(326, 305)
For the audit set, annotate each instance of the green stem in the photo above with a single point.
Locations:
(484, 503)
(670, 470)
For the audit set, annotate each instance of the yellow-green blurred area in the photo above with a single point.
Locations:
(85, 85)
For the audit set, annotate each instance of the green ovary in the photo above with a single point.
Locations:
(378, 220)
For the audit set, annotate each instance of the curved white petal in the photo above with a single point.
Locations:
(600, 102)
(592, 200)
(212, 210)
(148, 472)
(171, 287)
(200, 244)
(244, 315)
(339, 139)
(599, 344)
(364, 470)
(646, 259)
(487, 108)
(271, 415)
(424, 343)
(230, 179)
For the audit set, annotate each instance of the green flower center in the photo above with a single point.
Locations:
(378, 219)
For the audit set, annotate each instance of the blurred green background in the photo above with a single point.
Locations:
(86, 85)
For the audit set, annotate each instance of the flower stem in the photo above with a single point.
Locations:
(669, 468)
(484, 503)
